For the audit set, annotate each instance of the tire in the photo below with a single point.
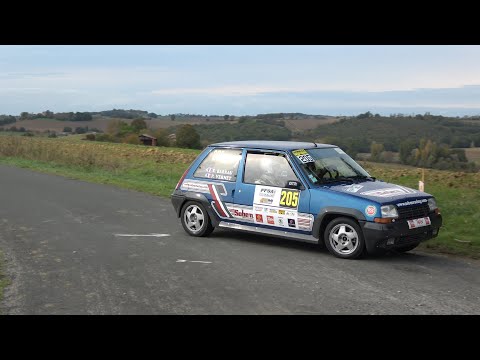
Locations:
(195, 219)
(407, 248)
(343, 238)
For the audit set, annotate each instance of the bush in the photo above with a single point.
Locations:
(132, 139)
(90, 137)
(162, 137)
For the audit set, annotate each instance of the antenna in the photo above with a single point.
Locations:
(315, 144)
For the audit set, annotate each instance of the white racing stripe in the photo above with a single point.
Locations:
(153, 235)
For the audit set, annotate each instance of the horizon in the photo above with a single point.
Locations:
(393, 114)
(240, 80)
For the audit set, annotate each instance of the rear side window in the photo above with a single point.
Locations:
(220, 164)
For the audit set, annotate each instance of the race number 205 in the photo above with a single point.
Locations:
(289, 198)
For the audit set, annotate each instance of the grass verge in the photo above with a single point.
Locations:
(159, 179)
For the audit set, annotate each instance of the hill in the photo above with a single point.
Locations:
(356, 134)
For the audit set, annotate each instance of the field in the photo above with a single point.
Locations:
(308, 123)
(101, 123)
(473, 154)
(157, 170)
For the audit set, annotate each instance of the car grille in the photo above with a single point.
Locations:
(413, 212)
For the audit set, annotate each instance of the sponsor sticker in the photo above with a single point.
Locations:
(303, 156)
(291, 223)
(280, 222)
(414, 202)
(352, 188)
(202, 186)
(240, 213)
(259, 218)
(270, 220)
(390, 192)
(281, 212)
(370, 210)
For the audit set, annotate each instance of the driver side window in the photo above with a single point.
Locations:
(270, 169)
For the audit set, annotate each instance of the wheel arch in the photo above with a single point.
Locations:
(332, 212)
(193, 196)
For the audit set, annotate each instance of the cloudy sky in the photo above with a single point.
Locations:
(241, 80)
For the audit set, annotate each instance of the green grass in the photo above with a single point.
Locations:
(154, 178)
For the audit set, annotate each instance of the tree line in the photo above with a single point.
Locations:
(120, 131)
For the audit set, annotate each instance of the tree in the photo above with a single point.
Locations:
(113, 127)
(172, 117)
(24, 115)
(67, 129)
(138, 124)
(188, 137)
(48, 114)
(376, 151)
(226, 117)
(153, 115)
(162, 137)
(406, 148)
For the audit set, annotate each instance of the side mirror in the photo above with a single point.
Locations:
(294, 184)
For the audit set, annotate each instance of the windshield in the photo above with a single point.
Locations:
(328, 165)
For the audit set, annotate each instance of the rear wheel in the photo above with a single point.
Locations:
(195, 219)
(344, 238)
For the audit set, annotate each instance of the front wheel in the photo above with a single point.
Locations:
(195, 219)
(344, 238)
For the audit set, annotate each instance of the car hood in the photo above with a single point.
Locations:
(382, 192)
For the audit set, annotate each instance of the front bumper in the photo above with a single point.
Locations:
(376, 235)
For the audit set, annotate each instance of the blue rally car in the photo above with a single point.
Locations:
(302, 191)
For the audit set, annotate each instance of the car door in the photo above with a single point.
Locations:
(263, 196)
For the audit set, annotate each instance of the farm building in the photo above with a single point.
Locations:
(148, 140)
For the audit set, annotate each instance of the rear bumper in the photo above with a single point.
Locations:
(177, 199)
(376, 235)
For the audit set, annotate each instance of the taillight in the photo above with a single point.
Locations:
(181, 179)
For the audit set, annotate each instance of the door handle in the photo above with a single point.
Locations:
(233, 192)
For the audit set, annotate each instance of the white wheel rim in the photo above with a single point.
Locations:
(343, 239)
(194, 219)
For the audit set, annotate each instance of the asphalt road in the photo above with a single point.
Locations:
(63, 257)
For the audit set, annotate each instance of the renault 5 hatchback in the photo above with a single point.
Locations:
(302, 191)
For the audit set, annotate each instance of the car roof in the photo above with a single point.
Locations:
(273, 145)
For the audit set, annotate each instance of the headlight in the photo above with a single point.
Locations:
(389, 211)
(432, 204)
